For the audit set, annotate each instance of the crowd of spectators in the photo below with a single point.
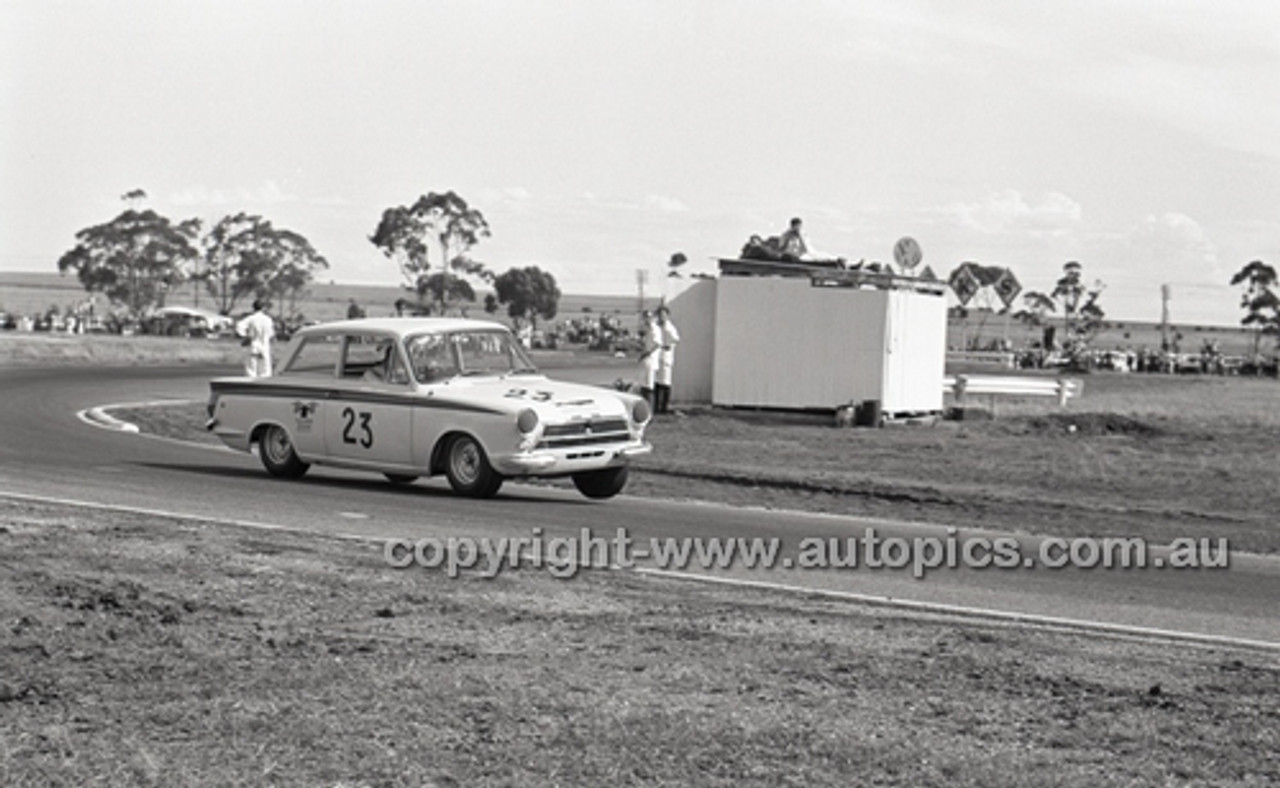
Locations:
(1209, 360)
(72, 320)
(84, 319)
(604, 332)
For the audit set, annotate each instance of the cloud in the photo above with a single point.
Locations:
(1009, 212)
(267, 192)
(505, 195)
(331, 201)
(1170, 247)
(666, 204)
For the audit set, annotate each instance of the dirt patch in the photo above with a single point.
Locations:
(1084, 425)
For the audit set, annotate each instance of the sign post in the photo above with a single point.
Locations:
(907, 253)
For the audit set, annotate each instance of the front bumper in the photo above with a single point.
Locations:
(556, 462)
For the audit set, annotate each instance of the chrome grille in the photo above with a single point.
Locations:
(584, 433)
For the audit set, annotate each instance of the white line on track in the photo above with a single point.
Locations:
(971, 613)
(99, 417)
(1030, 620)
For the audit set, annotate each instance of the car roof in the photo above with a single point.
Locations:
(402, 326)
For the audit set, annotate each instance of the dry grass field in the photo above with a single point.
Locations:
(140, 650)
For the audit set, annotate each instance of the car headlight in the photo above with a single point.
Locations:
(527, 420)
(641, 412)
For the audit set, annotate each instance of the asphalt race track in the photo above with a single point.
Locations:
(47, 451)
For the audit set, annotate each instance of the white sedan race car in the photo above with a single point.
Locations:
(410, 397)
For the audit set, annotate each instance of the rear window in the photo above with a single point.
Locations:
(317, 357)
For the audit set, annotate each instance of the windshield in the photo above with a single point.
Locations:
(436, 357)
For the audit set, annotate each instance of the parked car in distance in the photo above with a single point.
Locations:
(181, 321)
(412, 397)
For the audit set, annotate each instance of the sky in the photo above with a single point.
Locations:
(598, 137)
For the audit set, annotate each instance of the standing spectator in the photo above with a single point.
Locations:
(670, 337)
(650, 357)
(353, 310)
(257, 331)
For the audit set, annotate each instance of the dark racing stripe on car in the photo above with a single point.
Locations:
(284, 391)
(266, 390)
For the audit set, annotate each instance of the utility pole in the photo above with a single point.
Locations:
(642, 278)
(1165, 293)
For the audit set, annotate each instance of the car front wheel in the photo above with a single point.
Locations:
(604, 483)
(468, 469)
(276, 452)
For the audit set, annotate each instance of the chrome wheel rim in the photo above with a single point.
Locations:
(465, 461)
(276, 446)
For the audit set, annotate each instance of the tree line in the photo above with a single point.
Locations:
(138, 258)
(1082, 317)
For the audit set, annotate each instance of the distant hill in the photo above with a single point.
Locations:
(29, 293)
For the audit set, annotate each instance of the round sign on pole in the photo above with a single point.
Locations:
(906, 253)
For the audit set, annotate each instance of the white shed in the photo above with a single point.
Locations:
(828, 340)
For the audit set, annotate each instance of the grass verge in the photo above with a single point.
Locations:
(27, 350)
(141, 650)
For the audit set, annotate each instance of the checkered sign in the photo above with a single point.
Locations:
(1007, 287)
(964, 284)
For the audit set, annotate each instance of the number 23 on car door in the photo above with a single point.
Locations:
(367, 416)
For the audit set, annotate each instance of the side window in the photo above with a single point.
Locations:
(360, 356)
(372, 358)
(316, 357)
(432, 358)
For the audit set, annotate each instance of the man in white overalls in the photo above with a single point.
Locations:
(258, 329)
(650, 358)
(670, 337)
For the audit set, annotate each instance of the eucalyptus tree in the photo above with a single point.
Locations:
(1037, 307)
(406, 234)
(1082, 316)
(135, 259)
(528, 293)
(1259, 300)
(248, 257)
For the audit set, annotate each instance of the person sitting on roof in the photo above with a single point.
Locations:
(794, 248)
(792, 242)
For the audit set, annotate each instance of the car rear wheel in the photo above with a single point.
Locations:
(275, 449)
(400, 478)
(604, 483)
(468, 469)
